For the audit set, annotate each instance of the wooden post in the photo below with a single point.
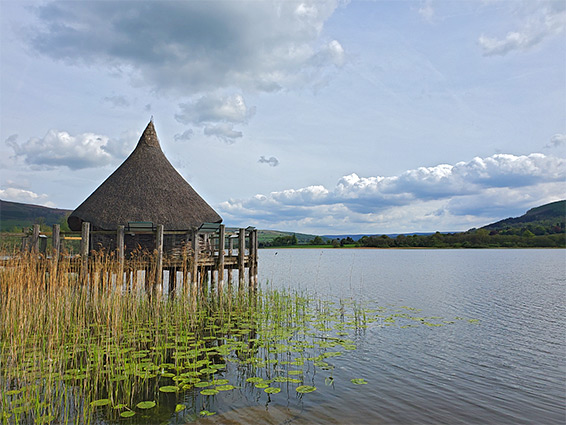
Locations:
(230, 249)
(256, 247)
(120, 253)
(186, 265)
(194, 271)
(56, 241)
(43, 244)
(56, 248)
(35, 239)
(221, 243)
(172, 280)
(85, 243)
(159, 259)
(252, 259)
(241, 256)
(212, 252)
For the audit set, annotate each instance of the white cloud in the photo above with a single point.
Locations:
(546, 19)
(556, 141)
(186, 135)
(214, 108)
(26, 196)
(192, 46)
(223, 131)
(218, 114)
(271, 161)
(59, 148)
(426, 10)
(460, 190)
(117, 101)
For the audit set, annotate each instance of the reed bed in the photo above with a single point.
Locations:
(98, 351)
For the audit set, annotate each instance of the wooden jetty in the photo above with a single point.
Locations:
(210, 254)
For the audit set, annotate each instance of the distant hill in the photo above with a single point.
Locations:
(357, 237)
(550, 217)
(265, 237)
(15, 215)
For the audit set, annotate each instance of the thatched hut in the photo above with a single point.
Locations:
(146, 188)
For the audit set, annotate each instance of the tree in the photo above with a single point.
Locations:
(317, 241)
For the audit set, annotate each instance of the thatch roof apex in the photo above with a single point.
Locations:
(149, 137)
(146, 187)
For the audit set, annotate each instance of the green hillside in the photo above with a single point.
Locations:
(544, 220)
(277, 238)
(14, 216)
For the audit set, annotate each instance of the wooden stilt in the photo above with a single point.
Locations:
(85, 245)
(35, 239)
(230, 249)
(221, 243)
(159, 259)
(241, 256)
(194, 271)
(120, 253)
(56, 248)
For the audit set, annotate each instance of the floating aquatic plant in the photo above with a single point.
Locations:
(145, 404)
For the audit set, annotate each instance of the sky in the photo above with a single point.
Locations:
(314, 116)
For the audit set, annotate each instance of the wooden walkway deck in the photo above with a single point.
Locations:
(212, 253)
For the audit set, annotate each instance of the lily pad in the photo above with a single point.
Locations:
(202, 384)
(272, 390)
(209, 391)
(127, 414)
(101, 402)
(145, 404)
(303, 389)
(169, 389)
(359, 381)
(225, 387)
(180, 407)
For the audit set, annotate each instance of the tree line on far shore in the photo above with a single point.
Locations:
(526, 237)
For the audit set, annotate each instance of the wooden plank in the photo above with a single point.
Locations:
(140, 225)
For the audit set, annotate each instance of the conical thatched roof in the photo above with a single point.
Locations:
(145, 187)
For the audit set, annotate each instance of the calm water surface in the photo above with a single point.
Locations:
(509, 368)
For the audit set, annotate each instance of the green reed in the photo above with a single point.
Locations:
(70, 350)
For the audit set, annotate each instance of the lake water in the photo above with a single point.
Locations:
(509, 368)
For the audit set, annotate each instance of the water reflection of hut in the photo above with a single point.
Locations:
(143, 192)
